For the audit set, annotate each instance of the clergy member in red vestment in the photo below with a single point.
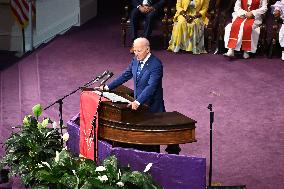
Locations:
(243, 32)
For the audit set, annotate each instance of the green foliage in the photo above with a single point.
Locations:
(37, 110)
(36, 155)
(66, 171)
(26, 149)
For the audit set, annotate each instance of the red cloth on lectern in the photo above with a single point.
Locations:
(88, 107)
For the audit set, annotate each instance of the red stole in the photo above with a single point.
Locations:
(88, 107)
(247, 29)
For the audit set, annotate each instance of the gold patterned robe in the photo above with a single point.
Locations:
(189, 36)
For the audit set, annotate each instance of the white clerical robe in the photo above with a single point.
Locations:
(279, 5)
(239, 12)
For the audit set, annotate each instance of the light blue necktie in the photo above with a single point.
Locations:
(139, 69)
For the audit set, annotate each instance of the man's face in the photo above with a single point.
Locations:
(140, 51)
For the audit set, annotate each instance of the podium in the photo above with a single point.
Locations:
(120, 124)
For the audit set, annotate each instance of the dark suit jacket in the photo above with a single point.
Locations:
(148, 86)
(157, 4)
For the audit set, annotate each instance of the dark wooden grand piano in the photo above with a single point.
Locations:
(118, 123)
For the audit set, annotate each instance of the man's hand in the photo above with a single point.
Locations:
(182, 13)
(276, 13)
(102, 87)
(249, 15)
(187, 17)
(198, 15)
(146, 9)
(133, 105)
(142, 9)
(150, 8)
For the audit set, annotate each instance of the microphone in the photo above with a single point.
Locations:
(103, 74)
(110, 74)
(96, 79)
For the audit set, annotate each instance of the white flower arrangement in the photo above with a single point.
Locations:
(55, 166)
(39, 165)
(65, 137)
(100, 169)
(46, 164)
(26, 120)
(45, 122)
(74, 172)
(120, 184)
(118, 174)
(148, 167)
(54, 125)
(56, 159)
(103, 178)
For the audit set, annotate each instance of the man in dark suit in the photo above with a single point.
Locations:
(146, 9)
(147, 72)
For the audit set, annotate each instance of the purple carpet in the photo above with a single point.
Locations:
(247, 97)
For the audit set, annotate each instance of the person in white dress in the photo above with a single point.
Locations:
(278, 11)
(243, 32)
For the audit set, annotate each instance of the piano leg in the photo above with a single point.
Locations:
(173, 149)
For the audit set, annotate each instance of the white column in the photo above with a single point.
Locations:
(29, 46)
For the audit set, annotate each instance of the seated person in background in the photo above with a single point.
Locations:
(188, 29)
(278, 11)
(147, 10)
(244, 30)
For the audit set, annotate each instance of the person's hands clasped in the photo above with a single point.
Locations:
(189, 19)
(151, 9)
(249, 15)
(133, 105)
(146, 8)
(142, 9)
(198, 15)
(186, 16)
(276, 13)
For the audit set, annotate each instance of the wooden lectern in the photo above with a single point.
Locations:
(118, 123)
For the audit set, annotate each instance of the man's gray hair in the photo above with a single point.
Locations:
(142, 40)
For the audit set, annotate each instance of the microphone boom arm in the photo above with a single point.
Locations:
(60, 100)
